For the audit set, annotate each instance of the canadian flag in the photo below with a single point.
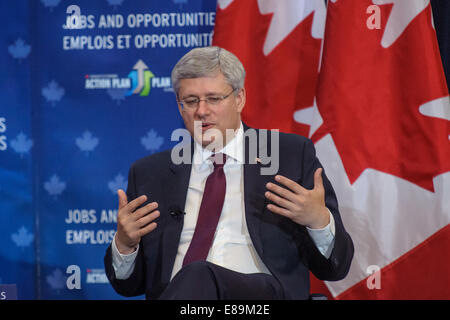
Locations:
(279, 44)
(379, 119)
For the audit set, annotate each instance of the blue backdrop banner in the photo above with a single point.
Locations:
(86, 91)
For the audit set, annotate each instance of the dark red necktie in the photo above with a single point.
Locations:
(209, 214)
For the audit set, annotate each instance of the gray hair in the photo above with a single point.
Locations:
(207, 62)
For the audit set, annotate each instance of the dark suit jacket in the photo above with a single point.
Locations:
(284, 246)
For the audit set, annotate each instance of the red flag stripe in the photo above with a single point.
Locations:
(421, 273)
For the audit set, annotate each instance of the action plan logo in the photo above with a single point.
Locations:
(139, 81)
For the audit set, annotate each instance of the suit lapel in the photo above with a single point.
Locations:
(254, 189)
(175, 191)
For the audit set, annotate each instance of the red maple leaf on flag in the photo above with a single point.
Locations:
(370, 101)
(280, 83)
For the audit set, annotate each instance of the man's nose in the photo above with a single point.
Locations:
(202, 108)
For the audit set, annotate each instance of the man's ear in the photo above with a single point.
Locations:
(240, 99)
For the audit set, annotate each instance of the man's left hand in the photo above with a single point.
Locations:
(303, 206)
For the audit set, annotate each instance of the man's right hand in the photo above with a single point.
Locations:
(133, 224)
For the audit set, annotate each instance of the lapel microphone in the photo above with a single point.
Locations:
(175, 211)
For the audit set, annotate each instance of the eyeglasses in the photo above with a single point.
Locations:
(191, 103)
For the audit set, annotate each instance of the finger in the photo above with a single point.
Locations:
(281, 211)
(279, 201)
(147, 229)
(132, 205)
(318, 182)
(291, 184)
(123, 201)
(283, 192)
(141, 212)
(145, 220)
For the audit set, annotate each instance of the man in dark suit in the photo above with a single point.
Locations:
(221, 223)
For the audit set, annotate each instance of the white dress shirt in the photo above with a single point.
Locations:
(232, 246)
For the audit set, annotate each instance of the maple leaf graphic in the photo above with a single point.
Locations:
(287, 16)
(119, 182)
(50, 3)
(152, 142)
(56, 280)
(53, 92)
(403, 12)
(117, 94)
(19, 50)
(22, 238)
(114, 2)
(180, 2)
(376, 122)
(21, 144)
(54, 186)
(273, 49)
(87, 142)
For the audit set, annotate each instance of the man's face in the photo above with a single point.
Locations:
(207, 117)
